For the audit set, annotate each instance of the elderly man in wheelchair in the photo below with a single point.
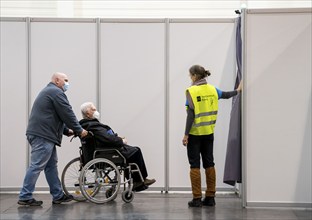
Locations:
(106, 138)
(104, 158)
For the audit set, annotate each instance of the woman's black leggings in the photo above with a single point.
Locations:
(200, 145)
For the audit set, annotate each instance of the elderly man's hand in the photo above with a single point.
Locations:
(124, 140)
(83, 133)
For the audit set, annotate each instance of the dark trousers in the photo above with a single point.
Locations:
(200, 146)
(137, 158)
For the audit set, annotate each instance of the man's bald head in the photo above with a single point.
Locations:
(59, 79)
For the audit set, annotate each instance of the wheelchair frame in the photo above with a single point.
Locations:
(99, 179)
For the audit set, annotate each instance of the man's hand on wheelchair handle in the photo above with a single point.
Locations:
(70, 132)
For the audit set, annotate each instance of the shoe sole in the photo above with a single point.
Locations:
(209, 204)
(61, 201)
(194, 206)
(29, 204)
(149, 183)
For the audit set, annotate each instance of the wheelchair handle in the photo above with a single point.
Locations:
(90, 133)
(73, 137)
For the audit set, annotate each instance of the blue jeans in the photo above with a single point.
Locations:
(43, 157)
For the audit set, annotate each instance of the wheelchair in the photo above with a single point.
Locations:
(97, 174)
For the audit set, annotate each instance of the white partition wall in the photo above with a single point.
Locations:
(135, 71)
(210, 43)
(277, 108)
(70, 47)
(14, 66)
(132, 93)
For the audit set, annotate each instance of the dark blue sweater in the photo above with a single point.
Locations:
(52, 115)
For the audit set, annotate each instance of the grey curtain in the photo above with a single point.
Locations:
(233, 160)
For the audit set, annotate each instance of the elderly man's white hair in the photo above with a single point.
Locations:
(84, 108)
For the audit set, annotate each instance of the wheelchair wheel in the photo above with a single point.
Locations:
(100, 181)
(127, 196)
(70, 179)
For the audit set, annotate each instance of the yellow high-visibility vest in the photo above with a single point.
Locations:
(205, 100)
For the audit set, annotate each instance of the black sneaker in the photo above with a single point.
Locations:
(209, 201)
(195, 203)
(64, 198)
(30, 202)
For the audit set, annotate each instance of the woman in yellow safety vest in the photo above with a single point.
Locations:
(202, 109)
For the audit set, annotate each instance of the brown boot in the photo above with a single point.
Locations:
(196, 187)
(211, 187)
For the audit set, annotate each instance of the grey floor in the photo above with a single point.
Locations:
(146, 205)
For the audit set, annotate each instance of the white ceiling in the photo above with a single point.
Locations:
(137, 9)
